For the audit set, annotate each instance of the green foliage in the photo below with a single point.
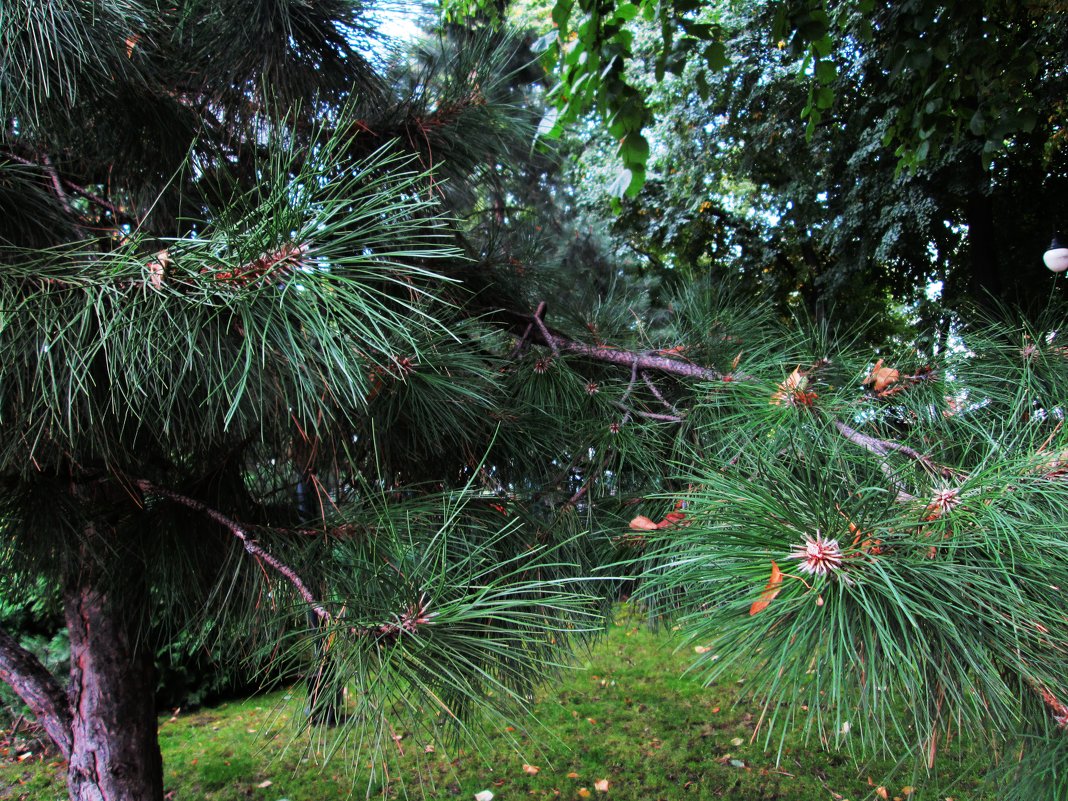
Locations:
(590, 50)
(248, 371)
(886, 542)
(826, 220)
(271, 381)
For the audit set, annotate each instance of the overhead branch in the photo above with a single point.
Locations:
(884, 447)
(635, 360)
(251, 546)
(38, 689)
(60, 181)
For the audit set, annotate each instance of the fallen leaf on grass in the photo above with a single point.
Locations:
(882, 793)
(601, 785)
(701, 649)
(572, 775)
(531, 769)
(584, 793)
(484, 795)
(265, 783)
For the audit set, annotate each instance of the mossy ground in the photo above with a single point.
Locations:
(627, 716)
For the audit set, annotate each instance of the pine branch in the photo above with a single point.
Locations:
(60, 181)
(57, 185)
(521, 345)
(406, 622)
(636, 360)
(884, 447)
(38, 689)
(628, 413)
(543, 330)
(251, 546)
(657, 394)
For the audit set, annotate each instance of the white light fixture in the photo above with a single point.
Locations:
(1056, 258)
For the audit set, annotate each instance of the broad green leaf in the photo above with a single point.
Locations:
(620, 183)
(715, 55)
(634, 149)
(549, 127)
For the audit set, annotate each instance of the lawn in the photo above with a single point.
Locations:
(625, 725)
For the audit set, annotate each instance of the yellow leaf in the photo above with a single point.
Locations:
(771, 589)
(584, 793)
(882, 793)
(572, 775)
(531, 769)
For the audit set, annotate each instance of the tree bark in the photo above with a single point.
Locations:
(115, 752)
(38, 689)
(986, 283)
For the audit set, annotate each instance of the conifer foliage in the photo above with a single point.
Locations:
(280, 366)
(881, 545)
(243, 392)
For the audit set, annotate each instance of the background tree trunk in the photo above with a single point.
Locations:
(986, 280)
(115, 752)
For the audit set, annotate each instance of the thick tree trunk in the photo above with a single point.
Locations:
(115, 752)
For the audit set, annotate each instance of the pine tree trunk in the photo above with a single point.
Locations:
(115, 752)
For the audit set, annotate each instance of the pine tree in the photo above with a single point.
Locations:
(247, 390)
(278, 367)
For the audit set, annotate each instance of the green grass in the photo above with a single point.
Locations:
(627, 715)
